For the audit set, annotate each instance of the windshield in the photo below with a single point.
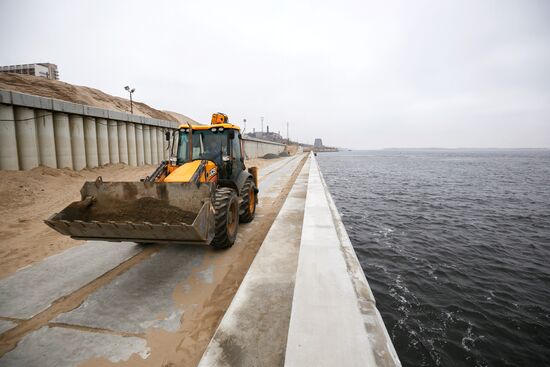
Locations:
(206, 145)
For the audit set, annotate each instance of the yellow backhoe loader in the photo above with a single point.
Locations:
(199, 196)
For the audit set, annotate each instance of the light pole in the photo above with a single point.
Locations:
(244, 123)
(130, 91)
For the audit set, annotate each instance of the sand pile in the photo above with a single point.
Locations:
(29, 197)
(77, 94)
(138, 211)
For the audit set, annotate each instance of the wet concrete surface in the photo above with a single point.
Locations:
(5, 325)
(57, 347)
(134, 301)
(31, 290)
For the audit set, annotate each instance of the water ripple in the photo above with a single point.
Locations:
(455, 246)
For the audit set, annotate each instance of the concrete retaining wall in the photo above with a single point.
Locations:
(254, 148)
(37, 131)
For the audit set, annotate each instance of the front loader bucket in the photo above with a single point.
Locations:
(139, 212)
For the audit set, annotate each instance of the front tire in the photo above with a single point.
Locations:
(226, 207)
(248, 205)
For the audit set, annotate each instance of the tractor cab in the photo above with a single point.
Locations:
(218, 143)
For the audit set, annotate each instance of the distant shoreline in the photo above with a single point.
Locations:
(446, 149)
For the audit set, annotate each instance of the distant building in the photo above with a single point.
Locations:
(269, 135)
(318, 143)
(45, 70)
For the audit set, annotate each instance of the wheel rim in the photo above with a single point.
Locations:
(251, 200)
(232, 218)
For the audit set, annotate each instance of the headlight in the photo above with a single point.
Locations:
(220, 129)
(214, 129)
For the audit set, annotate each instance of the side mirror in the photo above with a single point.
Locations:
(167, 135)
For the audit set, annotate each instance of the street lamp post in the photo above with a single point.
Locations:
(131, 91)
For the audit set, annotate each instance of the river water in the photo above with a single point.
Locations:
(456, 248)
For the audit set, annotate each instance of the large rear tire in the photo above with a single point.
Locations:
(226, 207)
(248, 205)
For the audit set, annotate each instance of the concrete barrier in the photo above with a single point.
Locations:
(44, 131)
(27, 142)
(139, 145)
(255, 148)
(102, 141)
(305, 300)
(46, 138)
(131, 141)
(8, 139)
(160, 144)
(90, 142)
(112, 129)
(78, 148)
(63, 152)
(122, 142)
(146, 134)
(154, 147)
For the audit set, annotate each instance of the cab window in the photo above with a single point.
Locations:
(236, 147)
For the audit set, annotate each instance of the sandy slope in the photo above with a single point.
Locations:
(29, 197)
(77, 94)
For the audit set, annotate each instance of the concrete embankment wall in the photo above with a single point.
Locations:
(305, 300)
(254, 148)
(38, 131)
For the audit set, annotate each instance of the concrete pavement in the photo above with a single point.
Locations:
(56, 346)
(32, 289)
(6, 325)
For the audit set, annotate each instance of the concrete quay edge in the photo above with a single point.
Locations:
(305, 300)
(384, 350)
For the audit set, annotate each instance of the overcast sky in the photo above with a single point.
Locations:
(358, 74)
